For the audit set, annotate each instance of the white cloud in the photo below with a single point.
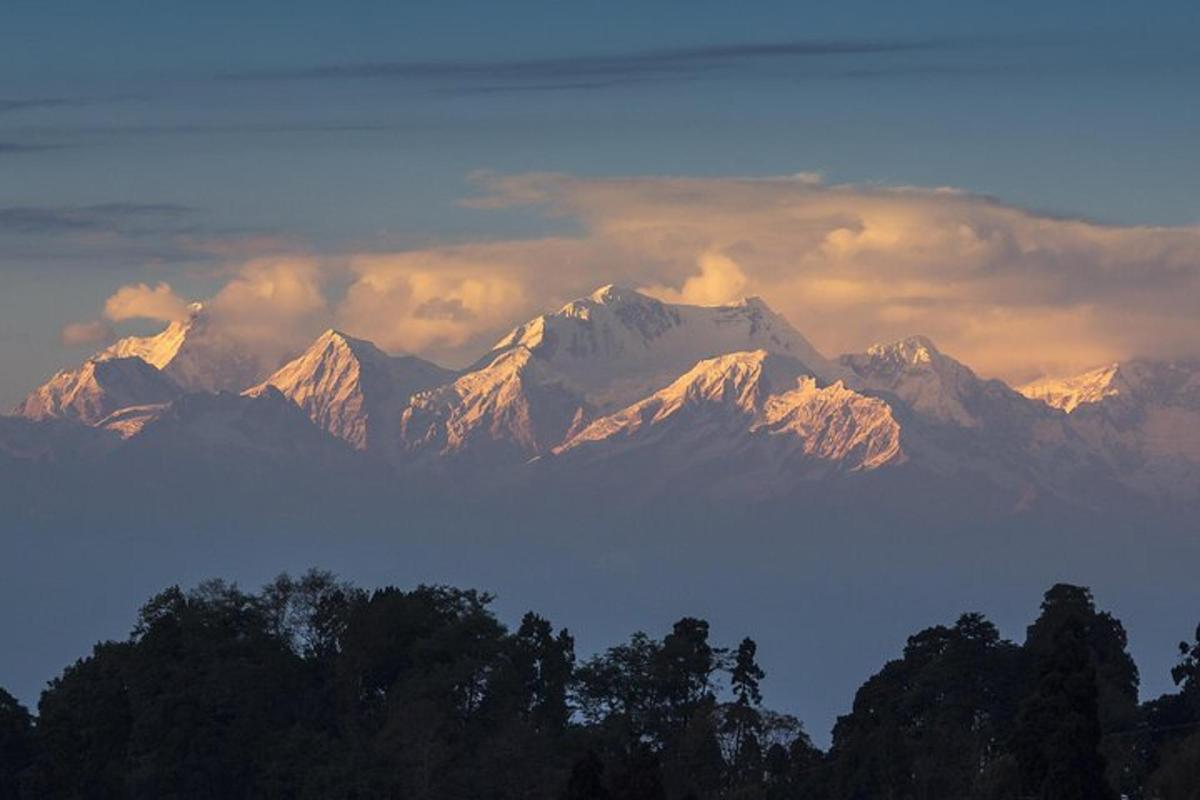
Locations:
(140, 301)
(91, 332)
(720, 281)
(1012, 292)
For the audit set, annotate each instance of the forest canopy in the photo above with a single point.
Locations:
(315, 688)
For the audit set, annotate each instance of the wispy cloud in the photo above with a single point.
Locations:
(590, 72)
(101, 216)
(10, 148)
(10, 104)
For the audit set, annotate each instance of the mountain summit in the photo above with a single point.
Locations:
(353, 390)
(618, 345)
(194, 353)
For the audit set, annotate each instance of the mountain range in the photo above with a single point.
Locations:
(624, 397)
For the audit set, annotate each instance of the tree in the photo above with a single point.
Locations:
(1178, 777)
(1116, 676)
(587, 779)
(683, 669)
(16, 743)
(929, 725)
(544, 663)
(1174, 741)
(1057, 743)
(742, 721)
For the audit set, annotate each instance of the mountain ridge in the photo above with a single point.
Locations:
(621, 388)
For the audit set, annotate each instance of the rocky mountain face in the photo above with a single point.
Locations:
(353, 390)
(96, 389)
(631, 396)
(195, 353)
(1142, 417)
(618, 345)
(750, 423)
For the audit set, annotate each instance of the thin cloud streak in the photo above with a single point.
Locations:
(598, 71)
(100, 216)
(11, 148)
(32, 103)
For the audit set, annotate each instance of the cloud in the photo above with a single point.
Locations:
(140, 301)
(30, 103)
(601, 71)
(12, 148)
(92, 332)
(1010, 291)
(720, 281)
(112, 217)
(276, 305)
(441, 300)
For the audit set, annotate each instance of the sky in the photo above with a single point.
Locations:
(1016, 180)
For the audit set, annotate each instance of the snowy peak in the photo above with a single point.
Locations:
(755, 419)
(618, 345)
(836, 425)
(514, 408)
(1071, 392)
(1141, 416)
(915, 354)
(931, 383)
(195, 353)
(1122, 385)
(728, 386)
(96, 389)
(353, 390)
(258, 427)
(611, 322)
(741, 380)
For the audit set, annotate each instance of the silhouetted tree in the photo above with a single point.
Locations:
(1057, 743)
(1116, 675)
(1174, 739)
(85, 719)
(587, 779)
(930, 724)
(742, 721)
(16, 743)
(312, 688)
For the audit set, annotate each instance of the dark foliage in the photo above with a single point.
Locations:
(312, 688)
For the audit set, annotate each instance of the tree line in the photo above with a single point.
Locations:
(314, 688)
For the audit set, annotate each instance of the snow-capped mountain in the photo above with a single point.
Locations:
(195, 353)
(617, 390)
(752, 422)
(1141, 416)
(263, 425)
(96, 389)
(512, 409)
(619, 345)
(1128, 386)
(354, 390)
(933, 384)
(1069, 393)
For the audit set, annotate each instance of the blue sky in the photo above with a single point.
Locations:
(131, 130)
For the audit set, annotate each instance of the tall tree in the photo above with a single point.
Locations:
(587, 779)
(544, 663)
(16, 743)
(930, 725)
(742, 721)
(85, 718)
(1174, 739)
(1116, 675)
(1058, 737)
